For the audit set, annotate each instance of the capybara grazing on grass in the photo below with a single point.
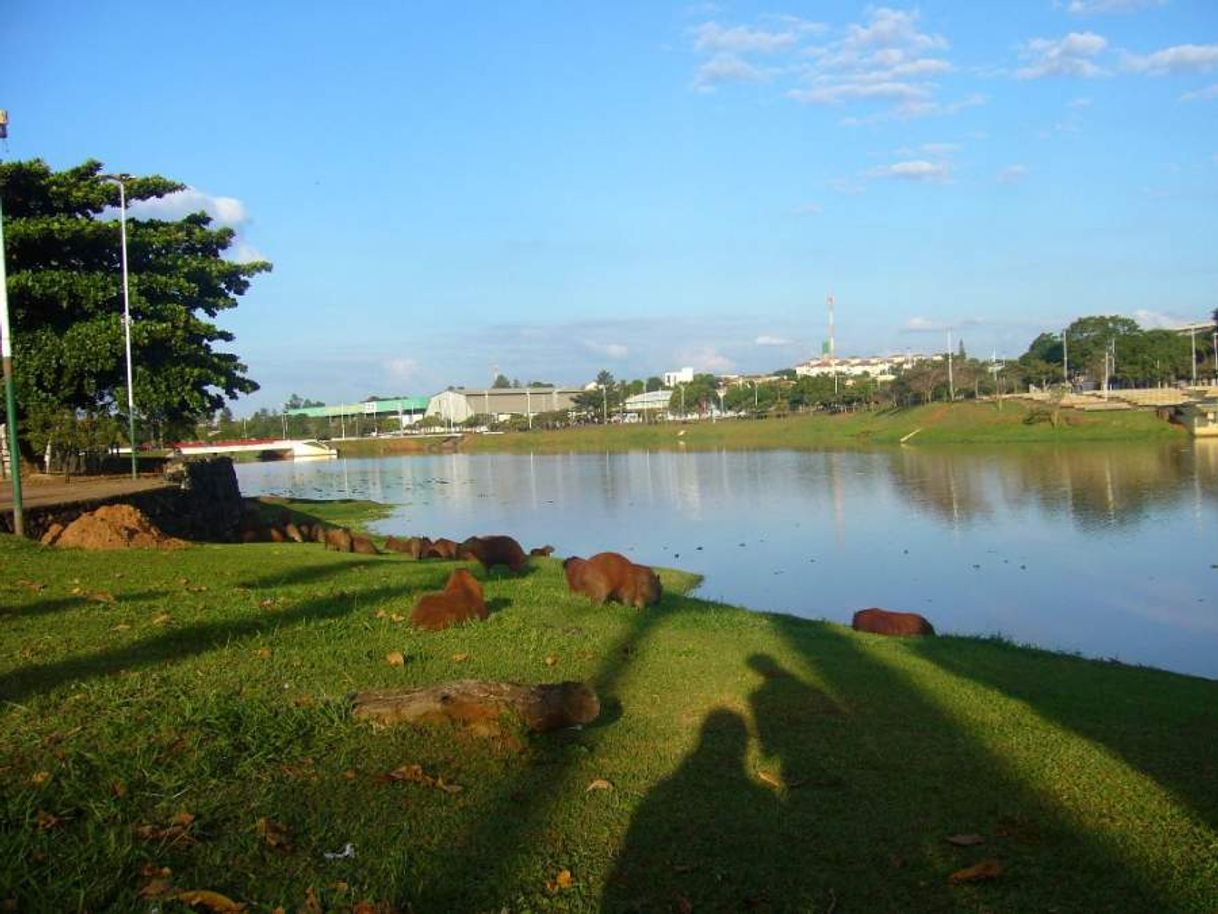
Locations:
(460, 601)
(408, 546)
(494, 550)
(612, 576)
(339, 539)
(443, 549)
(541, 551)
(884, 622)
(363, 545)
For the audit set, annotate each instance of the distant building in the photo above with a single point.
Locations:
(882, 368)
(500, 402)
(653, 401)
(673, 378)
(407, 410)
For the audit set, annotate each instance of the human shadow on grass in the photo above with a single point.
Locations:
(515, 819)
(910, 776)
(701, 840)
(177, 643)
(1170, 741)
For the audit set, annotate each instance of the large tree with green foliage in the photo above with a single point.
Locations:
(62, 245)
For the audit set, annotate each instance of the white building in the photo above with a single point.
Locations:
(500, 402)
(673, 378)
(653, 401)
(882, 368)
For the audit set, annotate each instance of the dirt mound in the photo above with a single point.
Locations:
(116, 527)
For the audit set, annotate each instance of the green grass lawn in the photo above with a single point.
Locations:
(755, 762)
(958, 423)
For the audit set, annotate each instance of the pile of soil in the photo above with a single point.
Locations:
(115, 527)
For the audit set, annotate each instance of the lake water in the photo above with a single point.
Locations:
(1108, 551)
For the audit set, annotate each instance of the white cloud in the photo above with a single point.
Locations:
(611, 350)
(710, 36)
(914, 170)
(243, 252)
(764, 340)
(925, 325)
(402, 370)
(706, 358)
(1013, 174)
(1157, 320)
(1182, 58)
(225, 210)
(1098, 7)
(886, 62)
(1209, 93)
(726, 68)
(1073, 55)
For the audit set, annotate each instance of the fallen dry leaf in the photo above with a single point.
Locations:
(366, 907)
(986, 869)
(47, 820)
(772, 779)
(267, 603)
(102, 596)
(341, 887)
(598, 784)
(414, 774)
(396, 619)
(263, 652)
(211, 901)
(151, 870)
(460, 658)
(121, 627)
(162, 619)
(275, 834)
(551, 660)
(182, 819)
(965, 840)
(395, 658)
(155, 888)
(38, 778)
(178, 830)
(349, 775)
(560, 882)
(312, 905)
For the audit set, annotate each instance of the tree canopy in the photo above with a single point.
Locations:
(64, 260)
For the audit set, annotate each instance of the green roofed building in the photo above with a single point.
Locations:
(407, 409)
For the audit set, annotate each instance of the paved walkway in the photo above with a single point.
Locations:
(46, 491)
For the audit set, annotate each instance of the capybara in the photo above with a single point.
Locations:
(541, 551)
(363, 545)
(612, 576)
(277, 535)
(443, 549)
(884, 622)
(494, 550)
(409, 546)
(292, 532)
(339, 539)
(460, 601)
(319, 533)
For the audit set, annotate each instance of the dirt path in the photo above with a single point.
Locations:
(44, 491)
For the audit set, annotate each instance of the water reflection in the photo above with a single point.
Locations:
(1104, 550)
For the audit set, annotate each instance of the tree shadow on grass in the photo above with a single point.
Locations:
(174, 644)
(911, 774)
(59, 604)
(1174, 736)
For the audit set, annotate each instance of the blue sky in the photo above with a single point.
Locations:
(555, 188)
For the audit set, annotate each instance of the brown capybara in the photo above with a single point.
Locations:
(363, 545)
(460, 601)
(319, 533)
(292, 532)
(277, 535)
(884, 622)
(443, 549)
(612, 576)
(408, 546)
(306, 531)
(541, 551)
(339, 539)
(494, 550)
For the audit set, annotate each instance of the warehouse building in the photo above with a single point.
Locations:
(458, 404)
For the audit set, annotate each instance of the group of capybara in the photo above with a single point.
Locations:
(603, 577)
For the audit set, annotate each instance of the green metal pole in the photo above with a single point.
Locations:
(10, 397)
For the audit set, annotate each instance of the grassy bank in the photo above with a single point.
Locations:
(960, 423)
(743, 761)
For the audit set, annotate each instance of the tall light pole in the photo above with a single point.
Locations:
(1065, 359)
(10, 395)
(122, 221)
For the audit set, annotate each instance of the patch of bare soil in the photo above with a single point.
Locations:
(115, 527)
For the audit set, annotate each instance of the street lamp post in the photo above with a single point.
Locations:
(10, 395)
(122, 210)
